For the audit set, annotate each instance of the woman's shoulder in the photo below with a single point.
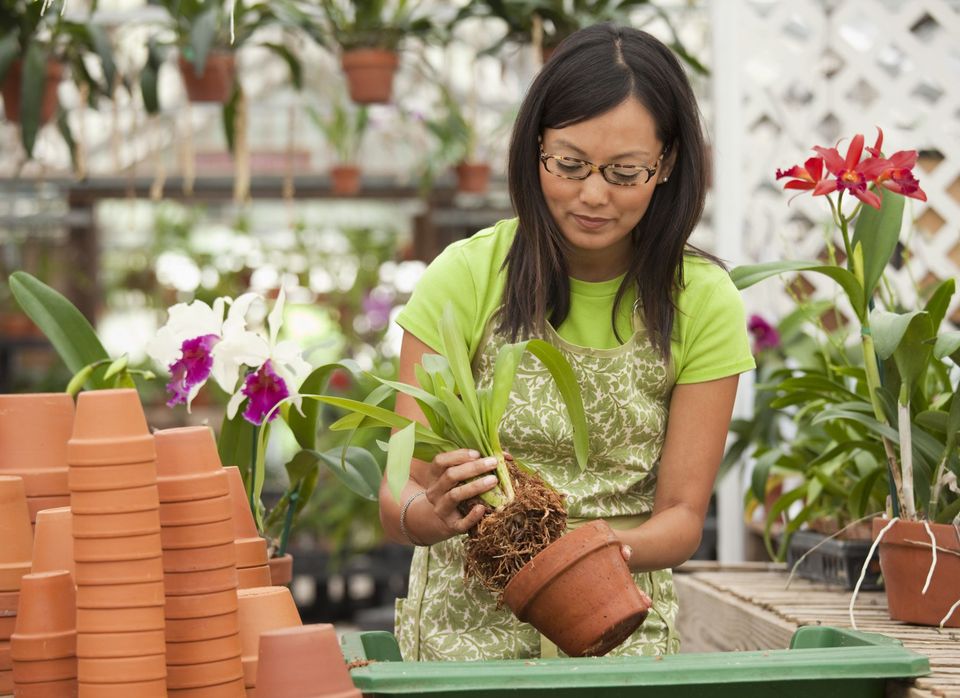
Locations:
(491, 243)
(702, 276)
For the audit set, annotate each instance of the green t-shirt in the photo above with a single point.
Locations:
(709, 337)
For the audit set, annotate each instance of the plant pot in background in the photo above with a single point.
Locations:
(473, 177)
(905, 557)
(12, 87)
(835, 562)
(578, 592)
(345, 179)
(281, 570)
(304, 662)
(215, 83)
(369, 74)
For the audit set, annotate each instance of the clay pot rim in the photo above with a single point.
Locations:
(42, 646)
(900, 537)
(361, 57)
(127, 450)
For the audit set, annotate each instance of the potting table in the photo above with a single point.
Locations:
(749, 607)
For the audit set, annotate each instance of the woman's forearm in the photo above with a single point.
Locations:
(669, 538)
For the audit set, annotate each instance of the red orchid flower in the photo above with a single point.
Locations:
(805, 177)
(898, 175)
(850, 173)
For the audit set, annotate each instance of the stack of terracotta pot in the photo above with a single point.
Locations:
(199, 563)
(34, 430)
(53, 542)
(262, 609)
(253, 569)
(116, 549)
(14, 564)
(44, 645)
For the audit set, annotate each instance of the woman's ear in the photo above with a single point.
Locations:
(667, 160)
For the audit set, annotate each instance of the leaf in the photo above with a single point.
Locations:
(304, 426)
(202, 32)
(947, 344)
(63, 126)
(385, 418)
(888, 330)
(359, 471)
(235, 444)
(149, 76)
(101, 45)
(301, 465)
(79, 379)
(293, 63)
(32, 84)
(906, 337)
(116, 367)
(9, 50)
(569, 389)
(749, 274)
(465, 426)
(878, 232)
(455, 351)
(67, 329)
(398, 459)
(230, 117)
(504, 373)
(939, 301)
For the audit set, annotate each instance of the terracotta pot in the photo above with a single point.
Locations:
(123, 644)
(233, 689)
(200, 582)
(369, 74)
(905, 558)
(473, 177)
(48, 605)
(204, 651)
(579, 593)
(345, 179)
(281, 570)
(122, 669)
(251, 552)
(200, 511)
(119, 620)
(253, 577)
(34, 431)
(40, 484)
(202, 605)
(112, 477)
(133, 523)
(17, 548)
(120, 572)
(8, 623)
(45, 670)
(263, 609)
(186, 451)
(304, 662)
(48, 689)
(6, 682)
(195, 629)
(142, 547)
(53, 541)
(120, 595)
(243, 522)
(37, 504)
(44, 646)
(11, 89)
(140, 689)
(212, 557)
(109, 428)
(215, 83)
(115, 501)
(192, 488)
(197, 536)
(207, 674)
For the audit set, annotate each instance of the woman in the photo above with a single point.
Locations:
(607, 176)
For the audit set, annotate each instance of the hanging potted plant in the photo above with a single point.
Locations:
(35, 47)
(369, 34)
(912, 414)
(343, 126)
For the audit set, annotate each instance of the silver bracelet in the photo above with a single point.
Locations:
(403, 518)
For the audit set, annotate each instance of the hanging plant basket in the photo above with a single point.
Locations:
(369, 73)
(578, 592)
(905, 559)
(473, 177)
(345, 180)
(12, 91)
(215, 83)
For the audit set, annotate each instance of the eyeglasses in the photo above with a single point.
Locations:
(621, 175)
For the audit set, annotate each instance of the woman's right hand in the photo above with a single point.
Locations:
(448, 487)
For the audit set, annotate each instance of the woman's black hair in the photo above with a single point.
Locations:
(590, 73)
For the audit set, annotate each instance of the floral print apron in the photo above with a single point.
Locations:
(626, 392)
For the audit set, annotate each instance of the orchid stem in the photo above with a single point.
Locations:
(253, 470)
(288, 519)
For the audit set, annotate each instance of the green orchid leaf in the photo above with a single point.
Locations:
(235, 444)
(455, 351)
(569, 389)
(32, 84)
(116, 367)
(423, 378)
(230, 117)
(203, 30)
(504, 373)
(888, 330)
(382, 417)
(463, 423)
(862, 491)
(63, 126)
(70, 333)
(750, 274)
(939, 301)
(304, 426)
(438, 368)
(761, 473)
(149, 76)
(399, 456)
(878, 232)
(947, 344)
(9, 52)
(79, 379)
(100, 43)
(905, 336)
(293, 63)
(303, 463)
(359, 471)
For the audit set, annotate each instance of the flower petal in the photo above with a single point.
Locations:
(275, 318)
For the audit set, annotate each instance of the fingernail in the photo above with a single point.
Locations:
(490, 480)
(490, 461)
(474, 454)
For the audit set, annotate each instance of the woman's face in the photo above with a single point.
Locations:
(595, 216)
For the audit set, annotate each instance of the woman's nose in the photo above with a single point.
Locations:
(594, 190)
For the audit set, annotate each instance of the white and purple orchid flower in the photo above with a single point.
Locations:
(198, 343)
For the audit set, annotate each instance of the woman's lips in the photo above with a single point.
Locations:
(590, 223)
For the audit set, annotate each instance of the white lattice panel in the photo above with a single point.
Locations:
(815, 72)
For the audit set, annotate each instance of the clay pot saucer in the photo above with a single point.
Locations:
(579, 592)
(53, 541)
(304, 662)
(109, 427)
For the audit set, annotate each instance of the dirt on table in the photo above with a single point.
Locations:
(507, 539)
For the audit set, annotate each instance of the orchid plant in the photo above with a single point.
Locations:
(900, 406)
(263, 375)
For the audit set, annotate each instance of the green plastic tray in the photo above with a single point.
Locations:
(822, 661)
